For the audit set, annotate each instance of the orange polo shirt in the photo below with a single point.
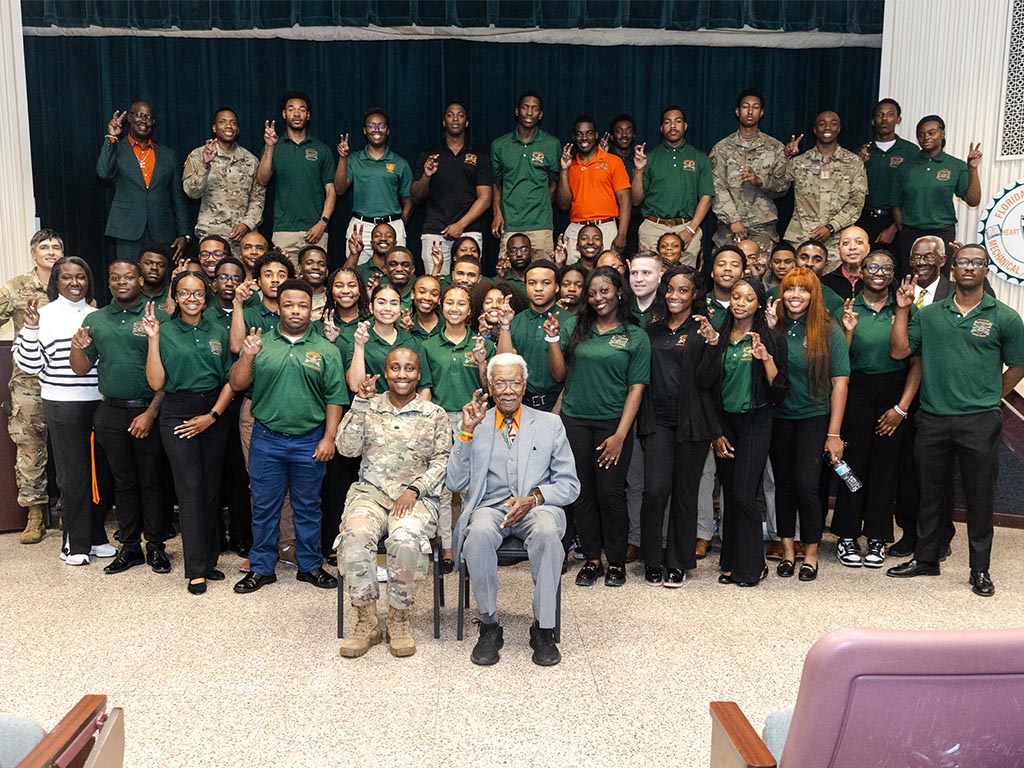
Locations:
(594, 185)
(146, 157)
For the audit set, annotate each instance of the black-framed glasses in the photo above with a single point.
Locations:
(212, 254)
(963, 262)
(376, 126)
(197, 294)
(879, 269)
(142, 117)
(236, 279)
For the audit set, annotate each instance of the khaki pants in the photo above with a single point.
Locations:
(650, 231)
(609, 231)
(293, 242)
(286, 534)
(542, 241)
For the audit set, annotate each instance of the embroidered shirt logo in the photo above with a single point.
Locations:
(389, 167)
(313, 360)
(216, 347)
(689, 165)
(895, 161)
(943, 174)
(537, 158)
(469, 159)
(312, 155)
(681, 341)
(981, 328)
(468, 361)
(619, 341)
(137, 329)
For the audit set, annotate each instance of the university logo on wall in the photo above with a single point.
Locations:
(1002, 232)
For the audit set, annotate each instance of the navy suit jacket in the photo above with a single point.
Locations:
(161, 206)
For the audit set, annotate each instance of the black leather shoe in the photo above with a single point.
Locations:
(254, 581)
(588, 574)
(447, 566)
(724, 578)
(762, 577)
(215, 575)
(654, 576)
(786, 568)
(616, 575)
(674, 577)
(904, 547)
(124, 561)
(242, 550)
(946, 552)
(318, 577)
(492, 638)
(913, 568)
(197, 587)
(981, 584)
(545, 652)
(808, 572)
(157, 558)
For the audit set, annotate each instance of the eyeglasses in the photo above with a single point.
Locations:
(879, 269)
(376, 126)
(964, 263)
(212, 254)
(199, 294)
(236, 279)
(520, 249)
(927, 258)
(142, 117)
(501, 385)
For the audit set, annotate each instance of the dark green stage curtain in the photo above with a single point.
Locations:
(856, 16)
(74, 84)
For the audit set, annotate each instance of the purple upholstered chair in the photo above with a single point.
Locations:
(893, 699)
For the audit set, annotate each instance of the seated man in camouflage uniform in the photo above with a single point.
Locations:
(404, 442)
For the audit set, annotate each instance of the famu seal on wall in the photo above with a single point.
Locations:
(1002, 232)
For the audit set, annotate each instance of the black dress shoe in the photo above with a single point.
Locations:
(253, 581)
(447, 565)
(545, 652)
(904, 547)
(724, 578)
(616, 575)
(786, 568)
(946, 552)
(492, 638)
(215, 575)
(242, 550)
(981, 584)
(318, 577)
(674, 577)
(654, 576)
(197, 587)
(762, 577)
(808, 572)
(124, 561)
(913, 568)
(157, 559)
(588, 574)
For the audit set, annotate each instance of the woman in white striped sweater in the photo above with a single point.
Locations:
(43, 347)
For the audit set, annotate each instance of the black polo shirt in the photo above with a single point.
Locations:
(453, 186)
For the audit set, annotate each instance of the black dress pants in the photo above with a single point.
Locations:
(797, 450)
(234, 486)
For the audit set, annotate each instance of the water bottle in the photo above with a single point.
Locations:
(847, 476)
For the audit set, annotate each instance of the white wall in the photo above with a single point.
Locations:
(947, 57)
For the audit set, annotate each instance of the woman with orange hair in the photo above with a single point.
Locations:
(806, 425)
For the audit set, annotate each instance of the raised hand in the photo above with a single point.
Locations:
(771, 312)
(474, 411)
(243, 291)
(430, 166)
(792, 149)
(362, 334)
(974, 155)
(505, 312)
(355, 242)
(849, 318)
(372, 282)
(32, 313)
(605, 142)
(552, 327)
(269, 134)
(483, 326)
(503, 265)
(479, 350)
(863, 152)
(566, 159)
(331, 331)
(253, 343)
(706, 329)
(906, 294)
(114, 127)
(561, 251)
(757, 348)
(436, 257)
(209, 151)
(640, 156)
(179, 268)
(149, 322)
(367, 387)
(405, 323)
(81, 339)
(343, 148)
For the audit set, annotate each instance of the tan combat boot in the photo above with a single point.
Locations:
(399, 634)
(35, 528)
(365, 634)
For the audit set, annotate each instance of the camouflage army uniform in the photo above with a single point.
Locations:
(825, 191)
(27, 425)
(228, 190)
(736, 200)
(399, 448)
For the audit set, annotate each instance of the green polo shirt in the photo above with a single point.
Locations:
(292, 383)
(301, 172)
(160, 297)
(376, 350)
(368, 269)
(514, 282)
(377, 185)
(258, 316)
(737, 388)
(924, 189)
(119, 348)
(421, 333)
(527, 332)
(799, 404)
(833, 301)
(525, 170)
(453, 369)
(717, 312)
(675, 178)
(962, 357)
(642, 316)
(219, 316)
(869, 349)
(881, 169)
(603, 368)
(196, 358)
(346, 338)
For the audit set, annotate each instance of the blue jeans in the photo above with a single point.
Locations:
(279, 463)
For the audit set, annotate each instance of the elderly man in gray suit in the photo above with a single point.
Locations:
(518, 473)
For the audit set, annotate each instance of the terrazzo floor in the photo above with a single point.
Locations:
(255, 680)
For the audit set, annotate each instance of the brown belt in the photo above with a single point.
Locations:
(669, 222)
(594, 222)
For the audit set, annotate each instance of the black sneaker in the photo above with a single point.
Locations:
(674, 577)
(654, 576)
(545, 652)
(492, 638)
(616, 575)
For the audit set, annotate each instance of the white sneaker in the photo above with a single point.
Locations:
(848, 553)
(382, 574)
(77, 560)
(875, 557)
(63, 555)
(102, 550)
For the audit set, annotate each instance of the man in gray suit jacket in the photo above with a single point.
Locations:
(149, 203)
(518, 472)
